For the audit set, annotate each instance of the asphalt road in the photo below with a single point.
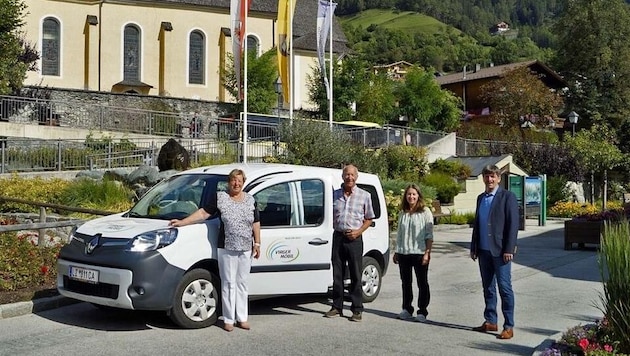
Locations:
(555, 289)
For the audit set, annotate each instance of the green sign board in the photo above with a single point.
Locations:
(516, 187)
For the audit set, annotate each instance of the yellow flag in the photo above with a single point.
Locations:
(285, 17)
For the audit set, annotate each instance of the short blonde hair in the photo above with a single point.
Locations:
(236, 172)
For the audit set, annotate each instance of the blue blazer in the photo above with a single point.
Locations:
(503, 224)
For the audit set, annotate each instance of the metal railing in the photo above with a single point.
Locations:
(201, 136)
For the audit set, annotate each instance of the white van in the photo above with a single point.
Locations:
(134, 260)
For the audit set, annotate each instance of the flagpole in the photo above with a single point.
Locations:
(330, 70)
(244, 44)
(291, 63)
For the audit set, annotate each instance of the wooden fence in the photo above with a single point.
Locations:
(43, 225)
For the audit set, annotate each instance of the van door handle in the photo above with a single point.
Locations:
(318, 242)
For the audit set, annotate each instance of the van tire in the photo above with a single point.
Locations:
(197, 300)
(371, 279)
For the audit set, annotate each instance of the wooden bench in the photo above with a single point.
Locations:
(437, 211)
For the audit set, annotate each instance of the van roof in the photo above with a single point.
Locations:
(253, 170)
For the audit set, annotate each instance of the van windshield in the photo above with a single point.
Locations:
(178, 196)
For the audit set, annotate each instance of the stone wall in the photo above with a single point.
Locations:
(116, 111)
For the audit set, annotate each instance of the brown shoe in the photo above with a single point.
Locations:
(228, 327)
(332, 313)
(485, 327)
(243, 325)
(506, 334)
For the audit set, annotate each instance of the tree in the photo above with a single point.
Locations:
(425, 104)
(376, 101)
(595, 149)
(16, 56)
(593, 55)
(262, 73)
(521, 99)
(349, 77)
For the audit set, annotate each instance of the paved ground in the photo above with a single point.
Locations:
(555, 289)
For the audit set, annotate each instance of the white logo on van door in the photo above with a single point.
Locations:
(279, 251)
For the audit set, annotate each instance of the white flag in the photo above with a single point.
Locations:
(325, 11)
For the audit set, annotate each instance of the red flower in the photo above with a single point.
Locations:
(583, 343)
(608, 348)
(44, 269)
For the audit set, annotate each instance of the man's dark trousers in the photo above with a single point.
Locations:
(350, 251)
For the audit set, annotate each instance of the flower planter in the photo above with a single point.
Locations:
(582, 232)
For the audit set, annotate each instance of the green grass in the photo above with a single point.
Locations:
(407, 21)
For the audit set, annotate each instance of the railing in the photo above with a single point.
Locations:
(217, 136)
(43, 225)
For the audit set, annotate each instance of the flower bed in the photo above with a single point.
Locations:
(589, 339)
(588, 228)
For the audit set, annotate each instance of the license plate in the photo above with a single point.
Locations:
(83, 274)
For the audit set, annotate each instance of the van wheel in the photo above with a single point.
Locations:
(197, 300)
(371, 279)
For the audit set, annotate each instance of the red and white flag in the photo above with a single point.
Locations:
(237, 17)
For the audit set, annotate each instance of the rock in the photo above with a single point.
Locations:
(96, 175)
(146, 175)
(173, 156)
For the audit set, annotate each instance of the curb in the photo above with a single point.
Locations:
(546, 344)
(34, 306)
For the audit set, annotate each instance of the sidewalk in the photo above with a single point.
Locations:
(554, 289)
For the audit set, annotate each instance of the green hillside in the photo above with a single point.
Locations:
(407, 21)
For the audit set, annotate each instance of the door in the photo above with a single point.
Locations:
(296, 236)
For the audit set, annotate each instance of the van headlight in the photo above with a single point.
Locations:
(152, 240)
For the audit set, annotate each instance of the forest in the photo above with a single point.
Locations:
(531, 37)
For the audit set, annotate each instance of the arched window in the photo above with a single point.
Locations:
(252, 45)
(50, 47)
(196, 58)
(131, 56)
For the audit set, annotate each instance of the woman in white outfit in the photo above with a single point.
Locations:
(238, 243)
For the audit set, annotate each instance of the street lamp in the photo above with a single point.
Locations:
(573, 119)
(278, 88)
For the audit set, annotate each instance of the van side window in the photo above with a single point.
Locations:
(313, 201)
(376, 205)
(274, 204)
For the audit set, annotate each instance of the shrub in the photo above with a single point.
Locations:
(565, 209)
(557, 190)
(405, 162)
(105, 195)
(455, 169)
(445, 185)
(33, 189)
(86, 193)
(458, 218)
(312, 143)
(23, 264)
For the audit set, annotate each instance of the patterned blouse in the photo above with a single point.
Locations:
(237, 218)
(413, 231)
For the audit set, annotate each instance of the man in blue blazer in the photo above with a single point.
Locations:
(494, 243)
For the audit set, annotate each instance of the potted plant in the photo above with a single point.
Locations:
(588, 228)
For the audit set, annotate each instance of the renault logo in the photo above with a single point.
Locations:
(94, 243)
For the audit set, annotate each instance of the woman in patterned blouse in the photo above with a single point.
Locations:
(413, 251)
(238, 243)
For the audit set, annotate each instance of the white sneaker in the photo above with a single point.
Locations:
(421, 318)
(404, 315)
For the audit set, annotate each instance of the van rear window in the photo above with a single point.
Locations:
(376, 204)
